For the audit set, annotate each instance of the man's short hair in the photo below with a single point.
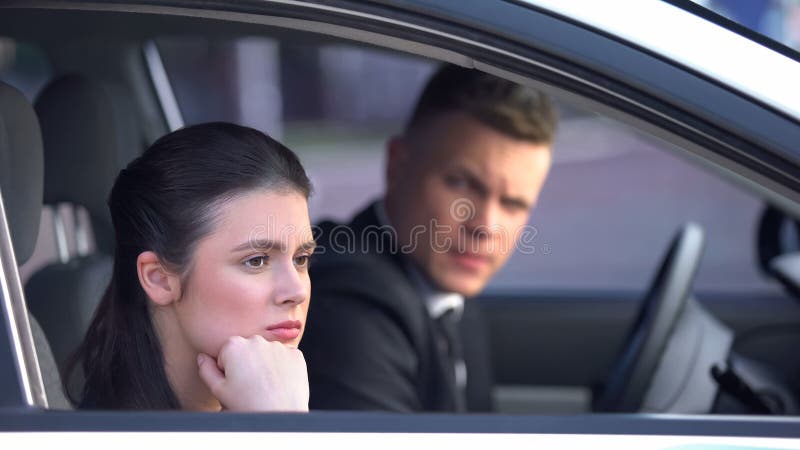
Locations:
(507, 107)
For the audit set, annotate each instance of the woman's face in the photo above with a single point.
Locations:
(250, 275)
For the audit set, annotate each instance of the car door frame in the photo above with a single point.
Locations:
(512, 40)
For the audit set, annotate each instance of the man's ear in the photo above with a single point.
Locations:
(397, 158)
(161, 286)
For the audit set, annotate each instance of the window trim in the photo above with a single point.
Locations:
(20, 338)
(163, 88)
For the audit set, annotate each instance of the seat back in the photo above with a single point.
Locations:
(90, 133)
(21, 185)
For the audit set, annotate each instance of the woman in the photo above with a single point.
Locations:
(210, 286)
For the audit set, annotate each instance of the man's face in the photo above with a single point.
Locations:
(459, 194)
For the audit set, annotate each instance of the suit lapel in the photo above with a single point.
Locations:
(436, 383)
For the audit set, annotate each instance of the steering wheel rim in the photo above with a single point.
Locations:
(634, 367)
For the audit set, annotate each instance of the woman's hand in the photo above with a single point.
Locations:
(254, 374)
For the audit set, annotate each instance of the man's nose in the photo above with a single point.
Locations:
(290, 287)
(486, 217)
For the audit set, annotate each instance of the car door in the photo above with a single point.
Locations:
(701, 117)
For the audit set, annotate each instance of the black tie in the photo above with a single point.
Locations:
(448, 325)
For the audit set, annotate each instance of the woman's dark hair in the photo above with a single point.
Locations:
(165, 201)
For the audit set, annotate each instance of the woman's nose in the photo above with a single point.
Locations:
(291, 287)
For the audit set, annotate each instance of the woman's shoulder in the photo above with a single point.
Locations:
(88, 401)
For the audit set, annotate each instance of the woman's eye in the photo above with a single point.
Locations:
(256, 262)
(302, 261)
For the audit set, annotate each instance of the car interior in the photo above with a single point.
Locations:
(654, 282)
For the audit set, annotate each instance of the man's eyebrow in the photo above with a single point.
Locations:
(518, 202)
(475, 181)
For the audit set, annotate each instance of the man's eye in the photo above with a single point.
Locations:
(455, 182)
(256, 262)
(515, 205)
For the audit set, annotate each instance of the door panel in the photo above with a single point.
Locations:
(549, 351)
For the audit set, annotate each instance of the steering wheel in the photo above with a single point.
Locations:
(633, 370)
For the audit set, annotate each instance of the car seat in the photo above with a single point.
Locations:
(21, 184)
(90, 132)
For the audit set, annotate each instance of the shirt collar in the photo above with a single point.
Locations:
(437, 301)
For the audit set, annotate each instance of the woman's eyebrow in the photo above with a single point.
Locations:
(309, 246)
(258, 244)
(268, 244)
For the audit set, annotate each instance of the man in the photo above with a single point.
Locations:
(389, 287)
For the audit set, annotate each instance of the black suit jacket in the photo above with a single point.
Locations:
(370, 343)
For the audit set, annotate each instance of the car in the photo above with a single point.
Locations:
(654, 305)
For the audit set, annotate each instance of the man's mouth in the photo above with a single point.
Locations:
(471, 261)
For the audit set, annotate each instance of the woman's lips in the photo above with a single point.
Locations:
(285, 331)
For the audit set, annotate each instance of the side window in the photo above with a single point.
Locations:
(334, 104)
(24, 66)
(777, 20)
(612, 202)
(614, 199)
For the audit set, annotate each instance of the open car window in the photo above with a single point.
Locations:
(613, 196)
(640, 152)
(774, 20)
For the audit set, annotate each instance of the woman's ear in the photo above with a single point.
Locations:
(162, 286)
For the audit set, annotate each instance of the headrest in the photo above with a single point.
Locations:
(89, 135)
(21, 169)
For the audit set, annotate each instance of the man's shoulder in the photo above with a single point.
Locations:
(356, 263)
(362, 275)
(364, 241)
(363, 234)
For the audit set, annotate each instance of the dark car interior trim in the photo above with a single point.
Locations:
(381, 422)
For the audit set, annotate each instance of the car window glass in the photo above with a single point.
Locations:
(613, 200)
(334, 105)
(24, 66)
(778, 20)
